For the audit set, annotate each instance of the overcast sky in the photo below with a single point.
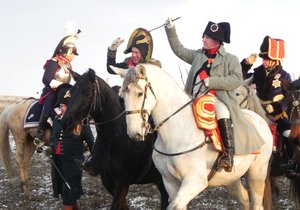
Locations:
(31, 29)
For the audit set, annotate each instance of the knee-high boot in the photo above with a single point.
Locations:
(38, 140)
(226, 131)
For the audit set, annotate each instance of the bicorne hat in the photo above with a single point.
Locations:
(218, 31)
(63, 94)
(141, 39)
(273, 49)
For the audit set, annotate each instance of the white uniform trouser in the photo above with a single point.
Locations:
(221, 109)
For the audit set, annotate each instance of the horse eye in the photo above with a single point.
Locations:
(140, 94)
(237, 94)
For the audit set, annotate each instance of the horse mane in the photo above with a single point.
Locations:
(253, 102)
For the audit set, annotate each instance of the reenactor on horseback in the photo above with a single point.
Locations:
(140, 45)
(218, 72)
(272, 83)
(58, 70)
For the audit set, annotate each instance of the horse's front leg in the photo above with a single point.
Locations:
(190, 187)
(119, 199)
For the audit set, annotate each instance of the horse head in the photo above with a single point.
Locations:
(139, 99)
(82, 104)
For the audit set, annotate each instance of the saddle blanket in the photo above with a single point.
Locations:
(32, 115)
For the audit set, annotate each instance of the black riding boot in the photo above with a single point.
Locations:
(226, 131)
(38, 140)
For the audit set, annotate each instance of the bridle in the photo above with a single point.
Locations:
(142, 111)
(87, 120)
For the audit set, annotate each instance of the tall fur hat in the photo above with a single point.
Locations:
(141, 39)
(218, 31)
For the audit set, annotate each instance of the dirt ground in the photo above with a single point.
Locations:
(96, 197)
(140, 197)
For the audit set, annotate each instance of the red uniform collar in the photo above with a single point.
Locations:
(212, 51)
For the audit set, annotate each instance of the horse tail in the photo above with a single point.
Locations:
(4, 140)
(267, 200)
(295, 191)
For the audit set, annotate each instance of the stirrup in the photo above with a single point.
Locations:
(38, 143)
(228, 166)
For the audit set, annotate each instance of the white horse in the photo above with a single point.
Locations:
(181, 153)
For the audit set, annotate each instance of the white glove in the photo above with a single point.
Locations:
(251, 59)
(116, 43)
(269, 108)
(55, 83)
(169, 23)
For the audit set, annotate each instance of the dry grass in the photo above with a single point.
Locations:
(5, 100)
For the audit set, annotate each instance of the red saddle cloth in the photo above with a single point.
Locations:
(273, 128)
(205, 117)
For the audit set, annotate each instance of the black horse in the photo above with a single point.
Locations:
(122, 161)
(294, 116)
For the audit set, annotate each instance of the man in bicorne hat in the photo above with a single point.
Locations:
(58, 70)
(272, 83)
(64, 149)
(220, 72)
(140, 45)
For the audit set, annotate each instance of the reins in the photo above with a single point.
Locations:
(87, 120)
(247, 96)
(146, 124)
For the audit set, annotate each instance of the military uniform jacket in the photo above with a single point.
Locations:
(71, 149)
(225, 76)
(270, 87)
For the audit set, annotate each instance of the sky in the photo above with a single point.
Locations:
(31, 30)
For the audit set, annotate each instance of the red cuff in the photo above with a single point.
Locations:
(203, 75)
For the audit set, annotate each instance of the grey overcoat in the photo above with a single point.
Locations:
(225, 76)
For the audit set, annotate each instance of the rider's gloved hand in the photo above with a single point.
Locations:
(269, 108)
(204, 77)
(251, 59)
(116, 43)
(169, 23)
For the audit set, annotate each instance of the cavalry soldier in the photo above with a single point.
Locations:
(58, 70)
(140, 45)
(272, 83)
(221, 73)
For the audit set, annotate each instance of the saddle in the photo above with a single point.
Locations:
(205, 117)
(32, 115)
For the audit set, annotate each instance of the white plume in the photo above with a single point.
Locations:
(71, 28)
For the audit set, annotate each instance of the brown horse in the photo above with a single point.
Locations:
(11, 120)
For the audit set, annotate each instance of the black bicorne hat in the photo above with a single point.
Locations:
(63, 94)
(218, 31)
(273, 49)
(141, 39)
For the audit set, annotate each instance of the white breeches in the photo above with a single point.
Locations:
(221, 109)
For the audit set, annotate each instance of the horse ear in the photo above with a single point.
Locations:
(91, 75)
(119, 71)
(248, 81)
